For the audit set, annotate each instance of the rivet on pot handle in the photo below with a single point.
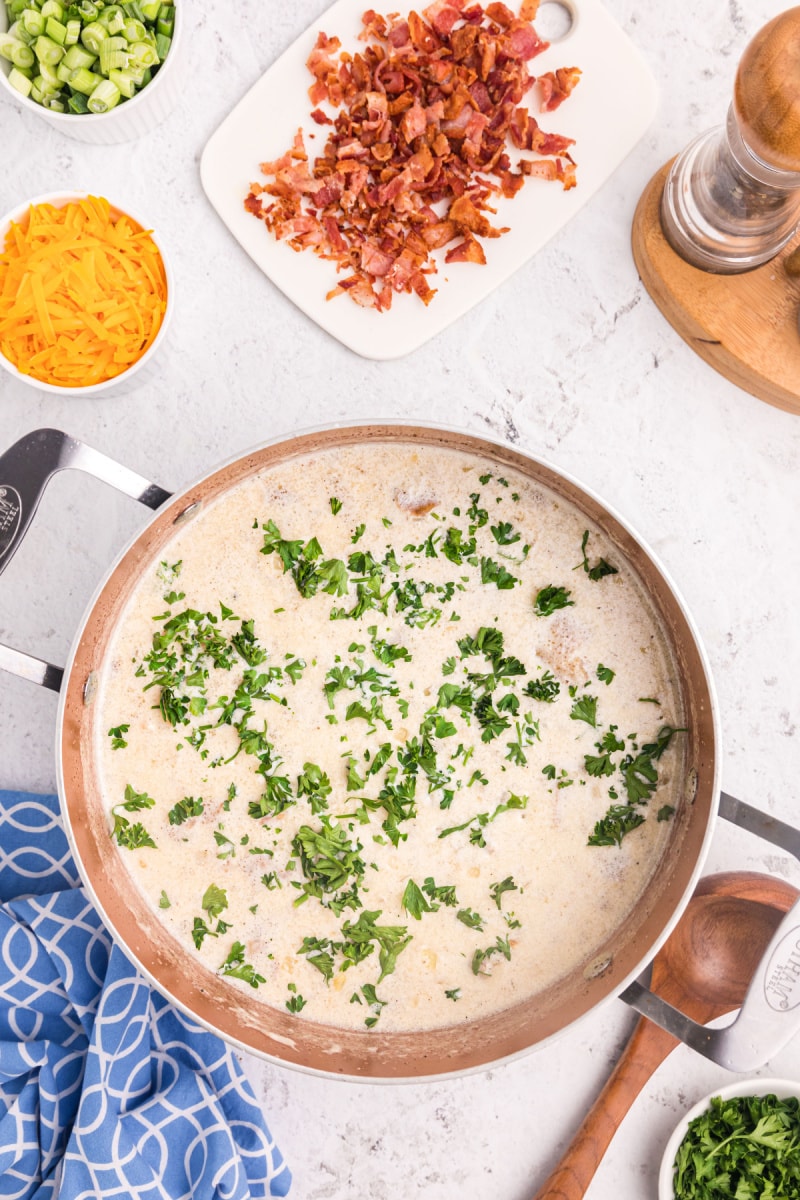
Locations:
(25, 470)
(770, 1013)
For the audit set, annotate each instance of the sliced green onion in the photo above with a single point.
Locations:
(48, 51)
(166, 20)
(84, 80)
(124, 81)
(143, 53)
(104, 97)
(134, 31)
(55, 30)
(111, 58)
(19, 82)
(112, 17)
(22, 56)
(64, 50)
(93, 36)
(50, 79)
(52, 8)
(33, 22)
(77, 57)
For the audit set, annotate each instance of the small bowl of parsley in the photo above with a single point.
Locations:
(741, 1140)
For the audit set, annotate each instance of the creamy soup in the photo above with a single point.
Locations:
(390, 736)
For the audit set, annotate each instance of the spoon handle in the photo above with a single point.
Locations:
(646, 1050)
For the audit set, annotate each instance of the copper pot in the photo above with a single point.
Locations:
(240, 1018)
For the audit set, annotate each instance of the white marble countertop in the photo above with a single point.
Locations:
(569, 359)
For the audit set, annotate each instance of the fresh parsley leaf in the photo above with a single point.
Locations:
(446, 894)
(545, 688)
(497, 889)
(116, 734)
(492, 572)
(236, 966)
(480, 957)
(585, 709)
(601, 567)
(620, 820)
(215, 901)
(189, 806)
(504, 533)
(414, 902)
(551, 598)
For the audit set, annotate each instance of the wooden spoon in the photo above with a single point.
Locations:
(704, 969)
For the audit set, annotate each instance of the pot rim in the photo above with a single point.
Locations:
(395, 424)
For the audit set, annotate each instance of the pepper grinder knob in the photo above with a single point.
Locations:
(732, 198)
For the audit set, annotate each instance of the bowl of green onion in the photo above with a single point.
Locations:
(741, 1140)
(101, 72)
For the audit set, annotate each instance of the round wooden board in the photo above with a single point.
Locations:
(745, 326)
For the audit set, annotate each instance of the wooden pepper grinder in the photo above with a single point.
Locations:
(732, 198)
(716, 233)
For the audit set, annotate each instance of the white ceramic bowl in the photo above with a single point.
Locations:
(137, 372)
(782, 1088)
(131, 118)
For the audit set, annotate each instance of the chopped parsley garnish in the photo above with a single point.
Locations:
(498, 889)
(415, 902)
(550, 599)
(189, 806)
(133, 836)
(585, 709)
(545, 688)
(480, 959)
(117, 739)
(601, 567)
(471, 919)
(236, 966)
(314, 784)
(744, 1146)
(504, 534)
(331, 865)
(296, 1003)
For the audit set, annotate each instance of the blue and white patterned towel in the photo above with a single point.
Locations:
(106, 1090)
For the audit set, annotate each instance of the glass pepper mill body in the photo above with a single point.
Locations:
(732, 198)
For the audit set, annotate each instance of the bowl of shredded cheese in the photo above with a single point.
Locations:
(86, 295)
(98, 71)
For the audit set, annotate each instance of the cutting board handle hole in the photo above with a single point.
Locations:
(554, 20)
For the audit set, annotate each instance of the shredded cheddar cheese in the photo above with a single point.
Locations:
(83, 293)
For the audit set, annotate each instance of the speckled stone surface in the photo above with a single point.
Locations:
(570, 359)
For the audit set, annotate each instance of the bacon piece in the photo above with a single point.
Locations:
(425, 115)
(470, 250)
(556, 86)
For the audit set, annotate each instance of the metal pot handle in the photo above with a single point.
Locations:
(25, 470)
(770, 1013)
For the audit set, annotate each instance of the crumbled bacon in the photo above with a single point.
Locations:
(418, 146)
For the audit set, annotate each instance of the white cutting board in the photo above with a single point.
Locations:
(611, 108)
